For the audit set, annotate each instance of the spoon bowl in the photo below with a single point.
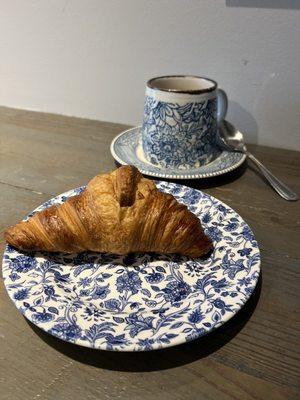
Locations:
(232, 137)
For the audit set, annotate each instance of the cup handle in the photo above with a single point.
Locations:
(222, 105)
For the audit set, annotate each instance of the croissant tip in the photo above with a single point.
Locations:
(204, 247)
(15, 237)
(8, 235)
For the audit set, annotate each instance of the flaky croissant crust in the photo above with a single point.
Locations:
(120, 213)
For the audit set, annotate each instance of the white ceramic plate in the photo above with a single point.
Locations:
(140, 301)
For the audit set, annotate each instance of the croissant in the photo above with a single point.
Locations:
(119, 213)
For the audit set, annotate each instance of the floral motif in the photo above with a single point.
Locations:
(218, 285)
(245, 252)
(222, 208)
(66, 331)
(179, 136)
(50, 293)
(129, 281)
(21, 294)
(206, 218)
(93, 313)
(139, 301)
(42, 317)
(193, 268)
(100, 292)
(84, 282)
(13, 276)
(115, 341)
(231, 226)
(195, 317)
(232, 266)
(137, 323)
(155, 277)
(247, 233)
(176, 291)
(146, 344)
(24, 263)
(214, 233)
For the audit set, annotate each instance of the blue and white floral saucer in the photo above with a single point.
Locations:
(140, 301)
(126, 149)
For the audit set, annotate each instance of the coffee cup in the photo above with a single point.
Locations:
(180, 122)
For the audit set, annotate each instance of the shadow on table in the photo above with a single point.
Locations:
(206, 183)
(159, 359)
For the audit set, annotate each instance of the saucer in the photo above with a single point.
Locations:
(126, 149)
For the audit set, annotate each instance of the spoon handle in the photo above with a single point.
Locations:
(277, 185)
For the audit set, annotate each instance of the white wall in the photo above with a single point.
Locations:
(91, 58)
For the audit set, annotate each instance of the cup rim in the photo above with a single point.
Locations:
(191, 91)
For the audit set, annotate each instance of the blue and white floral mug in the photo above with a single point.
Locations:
(180, 123)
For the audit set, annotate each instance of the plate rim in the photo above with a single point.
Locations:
(133, 347)
(183, 176)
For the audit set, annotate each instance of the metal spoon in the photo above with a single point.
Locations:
(233, 139)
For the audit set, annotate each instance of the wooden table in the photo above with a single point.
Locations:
(253, 356)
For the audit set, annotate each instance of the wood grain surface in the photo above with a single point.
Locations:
(253, 356)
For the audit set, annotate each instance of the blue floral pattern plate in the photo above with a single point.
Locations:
(126, 149)
(140, 301)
